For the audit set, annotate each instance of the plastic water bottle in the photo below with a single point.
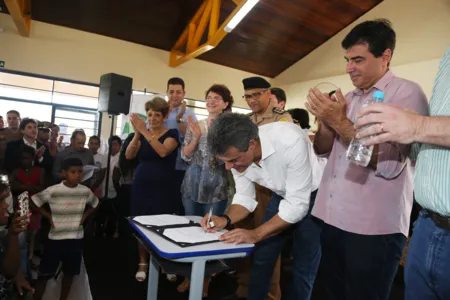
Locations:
(357, 152)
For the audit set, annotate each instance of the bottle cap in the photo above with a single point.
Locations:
(378, 96)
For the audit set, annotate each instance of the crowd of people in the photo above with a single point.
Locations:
(265, 176)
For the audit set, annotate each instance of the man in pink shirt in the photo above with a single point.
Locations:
(365, 210)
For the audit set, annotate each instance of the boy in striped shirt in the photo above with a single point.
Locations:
(68, 201)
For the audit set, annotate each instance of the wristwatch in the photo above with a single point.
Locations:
(226, 218)
(180, 120)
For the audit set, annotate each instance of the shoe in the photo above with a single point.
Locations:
(141, 275)
(171, 277)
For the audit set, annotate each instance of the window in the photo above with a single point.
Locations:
(36, 89)
(67, 104)
(27, 110)
(26, 81)
(75, 100)
(119, 119)
(74, 104)
(25, 93)
(69, 119)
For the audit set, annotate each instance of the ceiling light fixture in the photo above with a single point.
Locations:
(245, 9)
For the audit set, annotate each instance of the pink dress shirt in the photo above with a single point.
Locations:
(363, 200)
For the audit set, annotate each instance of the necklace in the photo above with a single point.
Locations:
(156, 133)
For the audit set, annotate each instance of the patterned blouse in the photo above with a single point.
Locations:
(206, 179)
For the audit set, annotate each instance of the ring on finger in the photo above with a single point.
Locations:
(381, 126)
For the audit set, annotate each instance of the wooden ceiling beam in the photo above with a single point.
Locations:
(190, 39)
(214, 21)
(20, 11)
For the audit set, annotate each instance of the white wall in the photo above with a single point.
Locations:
(72, 54)
(422, 72)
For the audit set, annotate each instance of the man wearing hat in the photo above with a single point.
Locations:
(44, 131)
(264, 111)
(257, 95)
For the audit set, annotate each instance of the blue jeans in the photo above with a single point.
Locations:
(427, 269)
(192, 208)
(23, 249)
(306, 252)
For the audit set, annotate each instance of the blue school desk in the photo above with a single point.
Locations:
(195, 255)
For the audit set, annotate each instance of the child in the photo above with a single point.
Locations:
(67, 201)
(29, 178)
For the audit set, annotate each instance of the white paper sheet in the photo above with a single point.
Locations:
(161, 220)
(88, 171)
(192, 234)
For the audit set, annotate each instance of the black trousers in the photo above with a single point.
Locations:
(356, 267)
(106, 218)
(113, 211)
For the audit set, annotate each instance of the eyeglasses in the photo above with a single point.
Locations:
(215, 98)
(255, 95)
(13, 118)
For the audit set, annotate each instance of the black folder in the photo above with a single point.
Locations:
(159, 230)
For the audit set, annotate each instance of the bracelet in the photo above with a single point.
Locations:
(226, 218)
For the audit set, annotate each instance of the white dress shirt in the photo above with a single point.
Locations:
(285, 168)
(33, 145)
(114, 162)
(101, 162)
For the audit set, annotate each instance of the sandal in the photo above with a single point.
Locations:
(206, 283)
(141, 275)
(184, 286)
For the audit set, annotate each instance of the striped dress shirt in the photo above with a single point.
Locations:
(432, 175)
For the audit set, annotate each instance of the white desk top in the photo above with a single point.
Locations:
(172, 251)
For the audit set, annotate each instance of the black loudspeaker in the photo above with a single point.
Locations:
(115, 94)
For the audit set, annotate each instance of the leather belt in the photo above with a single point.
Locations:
(440, 221)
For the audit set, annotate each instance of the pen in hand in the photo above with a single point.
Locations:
(209, 220)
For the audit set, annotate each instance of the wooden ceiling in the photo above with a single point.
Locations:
(272, 37)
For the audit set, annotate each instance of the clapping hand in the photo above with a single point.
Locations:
(194, 127)
(137, 123)
(330, 110)
(40, 152)
(182, 110)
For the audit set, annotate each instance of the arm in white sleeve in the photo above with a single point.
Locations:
(295, 204)
(245, 192)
